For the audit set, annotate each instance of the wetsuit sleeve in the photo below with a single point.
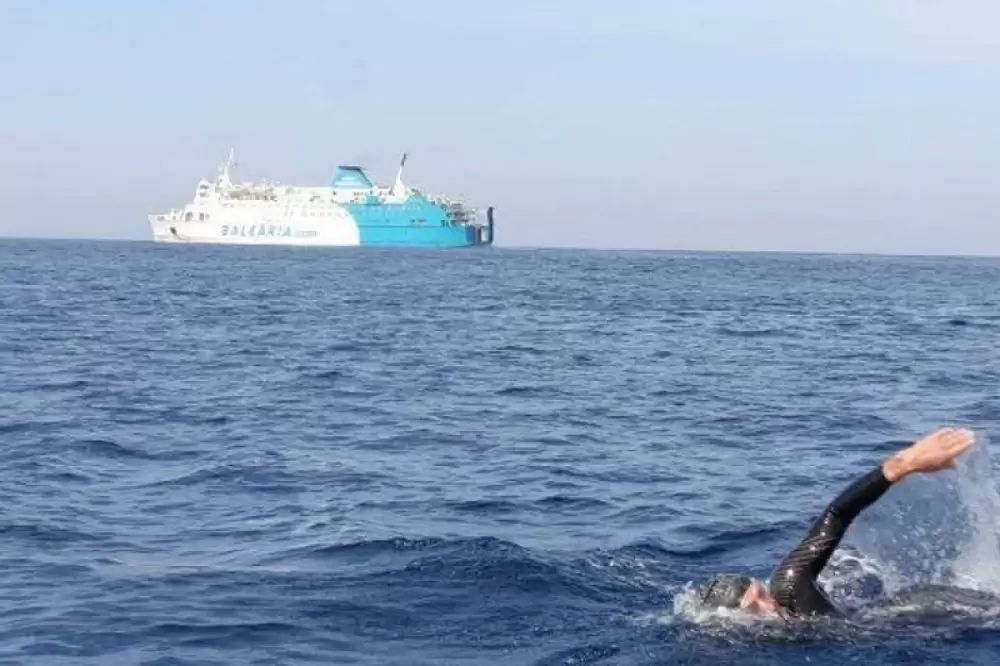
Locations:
(793, 584)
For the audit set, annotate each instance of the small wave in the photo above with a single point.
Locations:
(391, 555)
(550, 440)
(570, 503)
(672, 392)
(360, 550)
(108, 448)
(68, 476)
(986, 408)
(14, 427)
(519, 349)
(258, 479)
(181, 291)
(67, 385)
(398, 544)
(505, 568)
(930, 601)
(202, 419)
(708, 540)
(551, 503)
(44, 534)
(861, 354)
(343, 347)
(523, 391)
(643, 513)
(588, 654)
(33, 426)
(325, 375)
(100, 447)
(750, 332)
(485, 507)
(222, 634)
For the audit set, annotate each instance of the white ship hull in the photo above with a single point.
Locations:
(332, 230)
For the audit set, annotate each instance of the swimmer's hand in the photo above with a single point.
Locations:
(932, 453)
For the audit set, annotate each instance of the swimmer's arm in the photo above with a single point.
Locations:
(828, 531)
(932, 453)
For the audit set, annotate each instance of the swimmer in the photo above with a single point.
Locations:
(794, 590)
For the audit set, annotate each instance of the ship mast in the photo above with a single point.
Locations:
(224, 179)
(398, 188)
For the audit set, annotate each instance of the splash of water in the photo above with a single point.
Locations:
(936, 529)
(977, 564)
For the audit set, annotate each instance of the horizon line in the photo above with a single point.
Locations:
(541, 248)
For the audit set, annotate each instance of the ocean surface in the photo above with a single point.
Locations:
(224, 455)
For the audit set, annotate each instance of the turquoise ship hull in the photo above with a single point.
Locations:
(425, 225)
(417, 221)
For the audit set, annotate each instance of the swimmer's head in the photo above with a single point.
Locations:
(738, 591)
(725, 590)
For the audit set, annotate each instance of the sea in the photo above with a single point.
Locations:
(497, 456)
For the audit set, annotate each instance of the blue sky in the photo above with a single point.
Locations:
(863, 126)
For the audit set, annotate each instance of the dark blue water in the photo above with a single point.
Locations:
(300, 456)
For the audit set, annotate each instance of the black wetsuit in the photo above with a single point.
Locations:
(793, 583)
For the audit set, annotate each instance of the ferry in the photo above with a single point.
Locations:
(351, 211)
